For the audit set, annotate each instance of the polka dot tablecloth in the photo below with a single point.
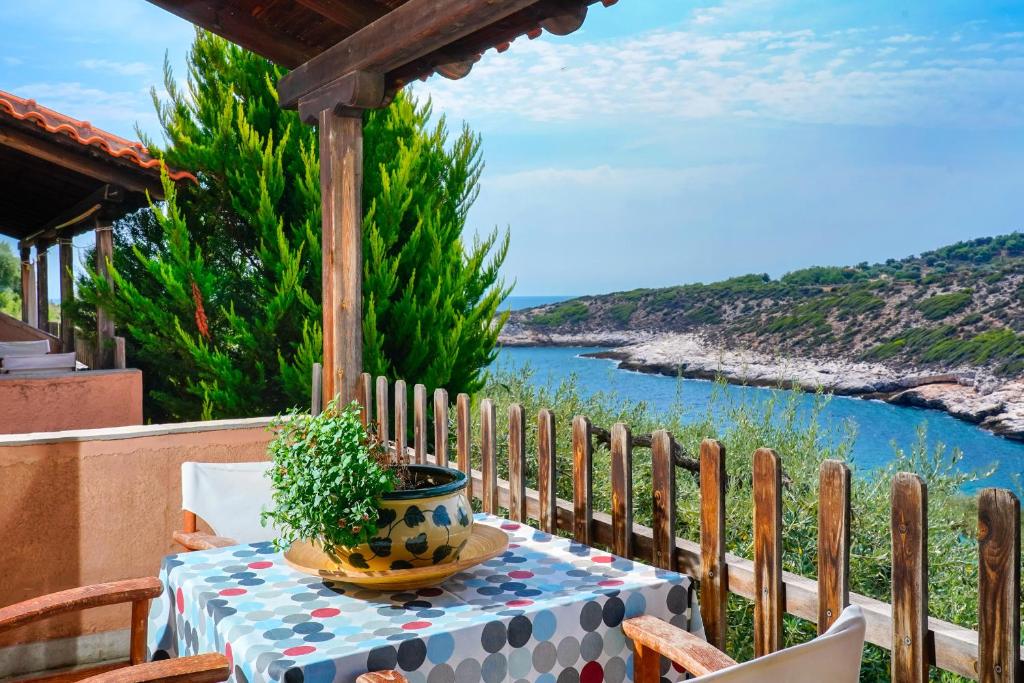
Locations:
(547, 611)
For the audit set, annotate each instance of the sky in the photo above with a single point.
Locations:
(666, 142)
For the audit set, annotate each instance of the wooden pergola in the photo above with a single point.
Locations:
(59, 178)
(350, 55)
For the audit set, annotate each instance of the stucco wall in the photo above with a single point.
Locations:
(53, 402)
(84, 507)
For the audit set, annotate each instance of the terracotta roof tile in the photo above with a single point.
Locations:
(82, 132)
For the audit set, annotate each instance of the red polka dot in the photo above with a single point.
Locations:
(609, 582)
(299, 650)
(520, 602)
(179, 600)
(229, 655)
(513, 545)
(591, 673)
(509, 526)
(521, 574)
(324, 612)
(603, 559)
(260, 565)
(415, 625)
(678, 668)
(228, 592)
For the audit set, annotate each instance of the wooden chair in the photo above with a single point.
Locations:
(834, 656)
(206, 668)
(229, 497)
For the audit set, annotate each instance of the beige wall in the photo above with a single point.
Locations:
(54, 401)
(84, 507)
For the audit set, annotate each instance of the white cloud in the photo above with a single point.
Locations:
(905, 38)
(120, 68)
(114, 110)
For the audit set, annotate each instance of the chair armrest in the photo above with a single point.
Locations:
(198, 540)
(208, 668)
(75, 599)
(382, 677)
(685, 649)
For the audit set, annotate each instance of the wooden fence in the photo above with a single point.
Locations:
(916, 641)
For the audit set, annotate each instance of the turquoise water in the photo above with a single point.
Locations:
(878, 426)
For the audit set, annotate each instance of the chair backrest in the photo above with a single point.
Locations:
(834, 656)
(38, 347)
(38, 363)
(229, 496)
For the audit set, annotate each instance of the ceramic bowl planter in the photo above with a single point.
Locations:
(425, 524)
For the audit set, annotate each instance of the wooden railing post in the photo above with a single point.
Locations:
(998, 587)
(713, 592)
(909, 579)
(833, 542)
(582, 479)
(441, 427)
(516, 463)
(382, 411)
(622, 490)
(546, 473)
(366, 397)
(768, 607)
(488, 448)
(463, 435)
(401, 420)
(317, 401)
(663, 484)
(419, 422)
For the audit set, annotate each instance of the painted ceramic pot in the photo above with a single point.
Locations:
(425, 525)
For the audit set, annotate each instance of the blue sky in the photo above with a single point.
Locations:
(668, 141)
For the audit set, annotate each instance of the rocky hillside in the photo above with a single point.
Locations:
(961, 306)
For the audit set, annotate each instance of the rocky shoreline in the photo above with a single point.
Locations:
(965, 393)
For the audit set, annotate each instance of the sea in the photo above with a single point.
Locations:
(878, 429)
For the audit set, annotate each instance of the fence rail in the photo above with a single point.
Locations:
(903, 627)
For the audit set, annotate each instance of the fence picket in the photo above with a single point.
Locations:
(419, 423)
(622, 490)
(713, 592)
(768, 607)
(909, 579)
(488, 465)
(582, 479)
(833, 541)
(546, 473)
(365, 391)
(441, 427)
(663, 484)
(998, 587)
(401, 420)
(382, 411)
(463, 436)
(516, 463)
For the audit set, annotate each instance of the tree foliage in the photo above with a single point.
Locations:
(10, 281)
(218, 289)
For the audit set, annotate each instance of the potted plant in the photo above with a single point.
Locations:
(335, 486)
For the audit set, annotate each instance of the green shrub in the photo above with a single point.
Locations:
(566, 313)
(944, 305)
(620, 313)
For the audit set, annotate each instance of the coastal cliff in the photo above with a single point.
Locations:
(941, 330)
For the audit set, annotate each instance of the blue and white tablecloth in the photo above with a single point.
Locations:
(547, 611)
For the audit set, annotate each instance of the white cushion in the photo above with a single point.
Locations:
(24, 348)
(229, 496)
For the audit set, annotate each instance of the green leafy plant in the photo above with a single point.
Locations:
(329, 472)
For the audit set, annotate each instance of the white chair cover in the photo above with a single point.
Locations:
(24, 348)
(39, 363)
(834, 656)
(229, 496)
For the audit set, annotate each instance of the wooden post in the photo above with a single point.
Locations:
(42, 287)
(663, 483)
(488, 464)
(365, 397)
(26, 284)
(317, 402)
(463, 438)
(582, 479)
(546, 472)
(104, 323)
(382, 411)
(909, 579)
(768, 607)
(833, 542)
(998, 587)
(401, 421)
(419, 422)
(516, 463)
(622, 490)
(441, 427)
(713, 592)
(341, 186)
(67, 294)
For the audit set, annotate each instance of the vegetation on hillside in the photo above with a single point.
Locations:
(953, 306)
(10, 281)
(218, 289)
(802, 441)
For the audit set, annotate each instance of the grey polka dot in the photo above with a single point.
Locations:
(544, 655)
(615, 670)
(467, 671)
(259, 615)
(590, 646)
(569, 676)
(495, 668)
(442, 673)
(494, 636)
(568, 651)
(590, 616)
(613, 642)
(519, 662)
(677, 600)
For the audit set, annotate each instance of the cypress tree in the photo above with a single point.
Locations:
(217, 289)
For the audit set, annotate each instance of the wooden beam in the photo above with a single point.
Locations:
(104, 323)
(354, 91)
(77, 214)
(347, 13)
(341, 186)
(42, 288)
(26, 282)
(67, 293)
(408, 32)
